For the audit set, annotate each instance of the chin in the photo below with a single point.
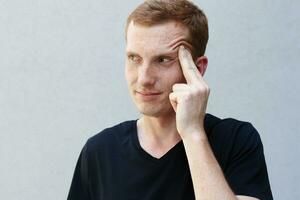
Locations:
(154, 111)
(150, 113)
(148, 110)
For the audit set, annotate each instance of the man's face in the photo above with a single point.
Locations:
(152, 65)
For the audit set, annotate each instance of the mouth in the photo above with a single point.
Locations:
(148, 96)
(148, 93)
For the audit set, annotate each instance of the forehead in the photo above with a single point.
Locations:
(165, 36)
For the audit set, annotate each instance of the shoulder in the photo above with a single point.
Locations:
(230, 127)
(110, 136)
(231, 136)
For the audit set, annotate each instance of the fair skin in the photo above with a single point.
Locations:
(168, 88)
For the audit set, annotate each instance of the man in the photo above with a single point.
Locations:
(175, 150)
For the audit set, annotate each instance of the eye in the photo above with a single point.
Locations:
(164, 59)
(134, 58)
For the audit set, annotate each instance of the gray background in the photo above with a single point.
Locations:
(61, 81)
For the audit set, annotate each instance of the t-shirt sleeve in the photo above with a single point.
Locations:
(246, 172)
(79, 185)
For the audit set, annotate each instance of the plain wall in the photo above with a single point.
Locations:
(62, 81)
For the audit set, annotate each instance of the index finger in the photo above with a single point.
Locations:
(188, 66)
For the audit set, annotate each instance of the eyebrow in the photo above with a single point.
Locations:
(131, 53)
(162, 54)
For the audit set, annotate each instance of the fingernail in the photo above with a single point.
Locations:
(182, 47)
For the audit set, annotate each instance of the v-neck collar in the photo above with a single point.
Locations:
(134, 136)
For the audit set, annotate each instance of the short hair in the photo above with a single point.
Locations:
(153, 12)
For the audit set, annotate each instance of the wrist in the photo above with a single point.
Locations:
(198, 135)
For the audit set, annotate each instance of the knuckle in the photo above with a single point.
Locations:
(173, 87)
(188, 96)
(202, 90)
(198, 92)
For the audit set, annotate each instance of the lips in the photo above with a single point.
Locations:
(148, 96)
(148, 93)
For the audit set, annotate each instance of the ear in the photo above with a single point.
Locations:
(201, 64)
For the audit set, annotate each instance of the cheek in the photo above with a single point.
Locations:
(173, 76)
(176, 74)
(130, 74)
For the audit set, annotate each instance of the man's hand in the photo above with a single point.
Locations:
(189, 100)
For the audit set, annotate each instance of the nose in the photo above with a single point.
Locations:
(146, 75)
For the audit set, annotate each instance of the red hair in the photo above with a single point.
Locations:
(153, 12)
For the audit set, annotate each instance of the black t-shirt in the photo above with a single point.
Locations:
(113, 166)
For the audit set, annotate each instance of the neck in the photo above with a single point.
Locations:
(158, 130)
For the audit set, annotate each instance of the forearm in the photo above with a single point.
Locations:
(207, 176)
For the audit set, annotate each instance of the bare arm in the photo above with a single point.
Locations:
(207, 176)
(189, 102)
